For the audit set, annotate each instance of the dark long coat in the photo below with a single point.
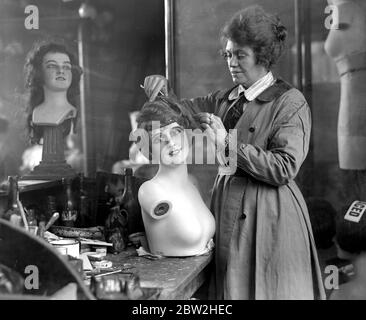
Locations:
(264, 243)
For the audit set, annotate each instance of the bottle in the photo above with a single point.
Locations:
(13, 213)
(69, 213)
(115, 230)
(32, 220)
(83, 219)
(51, 206)
(130, 205)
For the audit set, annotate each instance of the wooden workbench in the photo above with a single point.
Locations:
(178, 278)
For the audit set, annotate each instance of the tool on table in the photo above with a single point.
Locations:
(42, 226)
(100, 272)
(22, 214)
(52, 220)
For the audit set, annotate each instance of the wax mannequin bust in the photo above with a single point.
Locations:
(177, 221)
(53, 83)
(52, 80)
(346, 45)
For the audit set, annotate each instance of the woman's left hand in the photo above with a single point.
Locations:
(213, 126)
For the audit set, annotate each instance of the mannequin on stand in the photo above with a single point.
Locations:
(52, 78)
(346, 45)
(177, 221)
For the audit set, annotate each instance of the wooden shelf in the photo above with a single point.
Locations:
(31, 185)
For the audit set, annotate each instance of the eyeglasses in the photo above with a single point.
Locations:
(240, 55)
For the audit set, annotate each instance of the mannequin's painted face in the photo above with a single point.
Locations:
(56, 71)
(169, 144)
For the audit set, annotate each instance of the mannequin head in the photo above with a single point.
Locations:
(164, 122)
(50, 66)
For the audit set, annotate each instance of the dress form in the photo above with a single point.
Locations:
(347, 47)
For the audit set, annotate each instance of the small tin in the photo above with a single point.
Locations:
(70, 247)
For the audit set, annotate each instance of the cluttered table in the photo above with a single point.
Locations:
(177, 278)
(164, 278)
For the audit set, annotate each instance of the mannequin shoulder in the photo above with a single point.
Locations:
(152, 197)
(154, 190)
(71, 112)
(68, 113)
(148, 188)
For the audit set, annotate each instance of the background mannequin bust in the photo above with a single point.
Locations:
(346, 45)
(177, 221)
(52, 78)
(55, 108)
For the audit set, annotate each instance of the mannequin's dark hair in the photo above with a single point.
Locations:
(166, 110)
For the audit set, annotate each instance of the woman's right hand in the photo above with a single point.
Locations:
(155, 85)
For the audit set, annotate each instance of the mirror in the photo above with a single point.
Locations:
(117, 43)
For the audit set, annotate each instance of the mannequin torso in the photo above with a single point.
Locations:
(347, 47)
(177, 221)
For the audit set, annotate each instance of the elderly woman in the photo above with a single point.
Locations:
(264, 243)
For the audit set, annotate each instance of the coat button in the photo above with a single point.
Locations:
(243, 216)
(251, 129)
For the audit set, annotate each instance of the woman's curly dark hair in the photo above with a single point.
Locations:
(34, 81)
(261, 31)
